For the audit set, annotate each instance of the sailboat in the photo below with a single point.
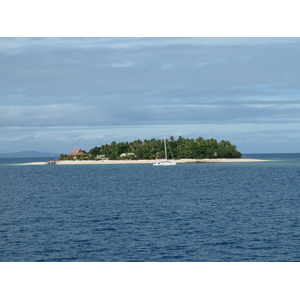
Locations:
(164, 162)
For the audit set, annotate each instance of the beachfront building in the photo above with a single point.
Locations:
(125, 155)
(76, 153)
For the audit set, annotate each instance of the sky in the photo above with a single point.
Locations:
(57, 94)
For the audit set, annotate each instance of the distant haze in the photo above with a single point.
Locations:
(28, 154)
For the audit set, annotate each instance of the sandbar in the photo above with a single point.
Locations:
(145, 161)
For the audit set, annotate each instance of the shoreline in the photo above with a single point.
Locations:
(145, 161)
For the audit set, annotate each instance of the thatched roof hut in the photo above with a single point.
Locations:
(76, 152)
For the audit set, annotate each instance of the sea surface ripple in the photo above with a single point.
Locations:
(222, 212)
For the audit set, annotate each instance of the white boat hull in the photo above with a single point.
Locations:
(164, 163)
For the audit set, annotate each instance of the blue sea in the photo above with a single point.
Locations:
(206, 212)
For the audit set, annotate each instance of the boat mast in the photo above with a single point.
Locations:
(165, 148)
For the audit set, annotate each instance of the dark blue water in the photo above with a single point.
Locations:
(189, 212)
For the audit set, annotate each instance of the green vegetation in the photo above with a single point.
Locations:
(177, 149)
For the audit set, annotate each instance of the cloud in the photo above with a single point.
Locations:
(177, 72)
(18, 45)
(150, 114)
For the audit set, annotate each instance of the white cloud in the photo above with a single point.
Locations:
(123, 65)
(17, 45)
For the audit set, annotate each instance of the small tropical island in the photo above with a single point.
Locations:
(181, 148)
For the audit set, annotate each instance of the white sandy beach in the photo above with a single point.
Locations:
(115, 162)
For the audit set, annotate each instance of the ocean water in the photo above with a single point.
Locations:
(208, 212)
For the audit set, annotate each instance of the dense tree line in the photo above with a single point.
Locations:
(176, 148)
